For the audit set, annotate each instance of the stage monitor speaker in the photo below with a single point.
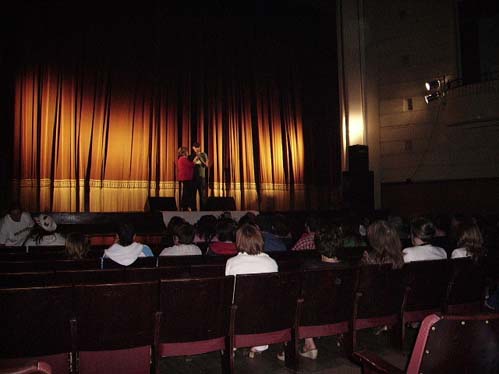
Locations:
(220, 203)
(358, 159)
(155, 204)
(358, 190)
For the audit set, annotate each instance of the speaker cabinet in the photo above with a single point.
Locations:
(155, 204)
(358, 190)
(358, 159)
(220, 203)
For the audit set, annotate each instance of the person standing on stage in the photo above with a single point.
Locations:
(201, 162)
(185, 172)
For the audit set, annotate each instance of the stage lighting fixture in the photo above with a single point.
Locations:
(433, 85)
(431, 97)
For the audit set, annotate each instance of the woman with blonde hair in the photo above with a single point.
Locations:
(185, 175)
(77, 246)
(250, 260)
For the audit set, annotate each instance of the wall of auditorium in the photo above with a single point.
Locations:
(407, 43)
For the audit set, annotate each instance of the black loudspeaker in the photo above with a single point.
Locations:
(358, 159)
(155, 204)
(358, 190)
(220, 203)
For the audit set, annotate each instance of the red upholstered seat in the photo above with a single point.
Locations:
(267, 311)
(327, 301)
(447, 344)
(427, 283)
(195, 316)
(115, 327)
(36, 325)
(378, 301)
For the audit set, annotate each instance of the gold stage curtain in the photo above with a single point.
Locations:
(100, 140)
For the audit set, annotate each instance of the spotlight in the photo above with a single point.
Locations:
(433, 85)
(431, 97)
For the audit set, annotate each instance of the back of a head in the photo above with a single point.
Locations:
(185, 233)
(385, 243)
(328, 239)
(249, 239)
(183, 151)
(77, 245)
(263, 222)
(174, 221)
(225, 230)
(423, 229)
(206, 226)
(280, 225)
(313, 223)
(470, 237)
(249, 217)
(126, 233)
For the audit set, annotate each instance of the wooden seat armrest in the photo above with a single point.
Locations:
(30, 367)
(372, 363)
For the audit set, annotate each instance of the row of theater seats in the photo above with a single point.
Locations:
(126, 324)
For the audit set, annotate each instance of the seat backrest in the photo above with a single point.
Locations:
(327, 296)
(207, 270)
(44, 250)
(195, 309)
(457, 344)
(266, 302)
(467, 284)
(94, 276)
(427, 283)
(35, 321)
(29, 279)
(115, 316)
(380, 291)
(142, 274)
(173, 272)
(83, 264)
(140, 262)
(179, 260)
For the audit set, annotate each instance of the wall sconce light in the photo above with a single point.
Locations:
(436, 89)
(431, 97)
(433, 85)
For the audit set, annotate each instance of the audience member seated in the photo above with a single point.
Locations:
(167, 239)
(250, 260)
(206, 228)
(44, 233)
(183, 237)
(328, 239)
(77, 246)
(224, 244)
(469, 241)
(385, 245)
(422, 232)
(306, 241)
(281, 229)
(125, 250)
(15, 226)
(271, 243)
(353, 233)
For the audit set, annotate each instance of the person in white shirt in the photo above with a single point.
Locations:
(422, 232)
(469, 241)
(250, 260)
(183, 236)
(126, 250)
(45, 233)
(15, 227)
